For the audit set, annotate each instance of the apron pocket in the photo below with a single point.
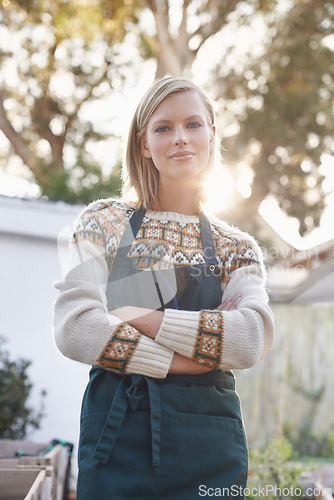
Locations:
(128, 472)
(202, 450)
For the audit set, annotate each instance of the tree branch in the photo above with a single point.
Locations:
(167, 51)
(20, 147)
(88, 96)
(183, 34)
(216, 23)
(184, 12)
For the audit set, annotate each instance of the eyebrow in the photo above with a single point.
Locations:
(193, 117)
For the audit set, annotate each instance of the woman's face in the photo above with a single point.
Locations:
(178, 138)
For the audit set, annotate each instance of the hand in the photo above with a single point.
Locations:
(229, 304)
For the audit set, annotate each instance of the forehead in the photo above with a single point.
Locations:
(180, 105)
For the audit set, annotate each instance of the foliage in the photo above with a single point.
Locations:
(81, 184)
(308, 443)
(280, 99)
(56, 59)
(272, 467)
(273, 84)
(16, 417)
(274, 92)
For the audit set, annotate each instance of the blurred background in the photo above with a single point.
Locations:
(71, 74)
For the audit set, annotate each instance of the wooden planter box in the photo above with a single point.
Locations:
(25, 484)
(33, 471)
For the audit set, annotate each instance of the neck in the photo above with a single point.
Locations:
(179, 197)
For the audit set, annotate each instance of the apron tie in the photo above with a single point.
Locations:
(128, 394)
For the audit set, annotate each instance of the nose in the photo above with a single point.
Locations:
(180, 137)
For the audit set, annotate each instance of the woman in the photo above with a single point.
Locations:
(163, 302)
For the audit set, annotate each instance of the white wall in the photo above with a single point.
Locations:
(29, 265)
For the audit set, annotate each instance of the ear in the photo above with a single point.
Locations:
(145, 151)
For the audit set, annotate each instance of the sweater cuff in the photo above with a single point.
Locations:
(178, 331)
(150, 359)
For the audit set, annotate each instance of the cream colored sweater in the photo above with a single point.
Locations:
(85, 331)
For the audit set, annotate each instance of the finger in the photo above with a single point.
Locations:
(236, 300)
(230, 304)
(225, 305)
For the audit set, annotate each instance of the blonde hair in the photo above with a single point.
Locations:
(140, 173)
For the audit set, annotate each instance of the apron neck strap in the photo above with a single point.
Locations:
(131, 230)
(136, 220)
(207, 240)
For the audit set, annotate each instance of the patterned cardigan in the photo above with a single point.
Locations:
(85, 330)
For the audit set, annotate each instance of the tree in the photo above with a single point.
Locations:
(279, 96)
(285, 120)
(274, 95)
(81, 42)
(60, 56)
(16, 417)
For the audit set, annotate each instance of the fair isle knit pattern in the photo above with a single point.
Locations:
(119, 350)
(87, 332)
(162, 244)
(103, 224)
(209, 340)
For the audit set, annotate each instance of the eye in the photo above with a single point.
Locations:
(194, 125)
(163, 128)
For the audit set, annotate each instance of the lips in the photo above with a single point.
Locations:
(182, 155)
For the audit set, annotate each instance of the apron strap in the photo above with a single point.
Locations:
(224, 379)
(128, 394)
(131, 231)
(136, 220)
(155, 413)
(207, 240)
(112, 424)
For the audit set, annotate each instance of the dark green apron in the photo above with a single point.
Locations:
(177, 438)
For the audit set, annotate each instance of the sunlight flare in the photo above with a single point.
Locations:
(220, 189)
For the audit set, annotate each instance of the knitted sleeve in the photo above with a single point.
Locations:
(83, 328)
(235, 339)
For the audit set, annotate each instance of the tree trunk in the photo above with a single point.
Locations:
(174, 55)
(20, 147)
